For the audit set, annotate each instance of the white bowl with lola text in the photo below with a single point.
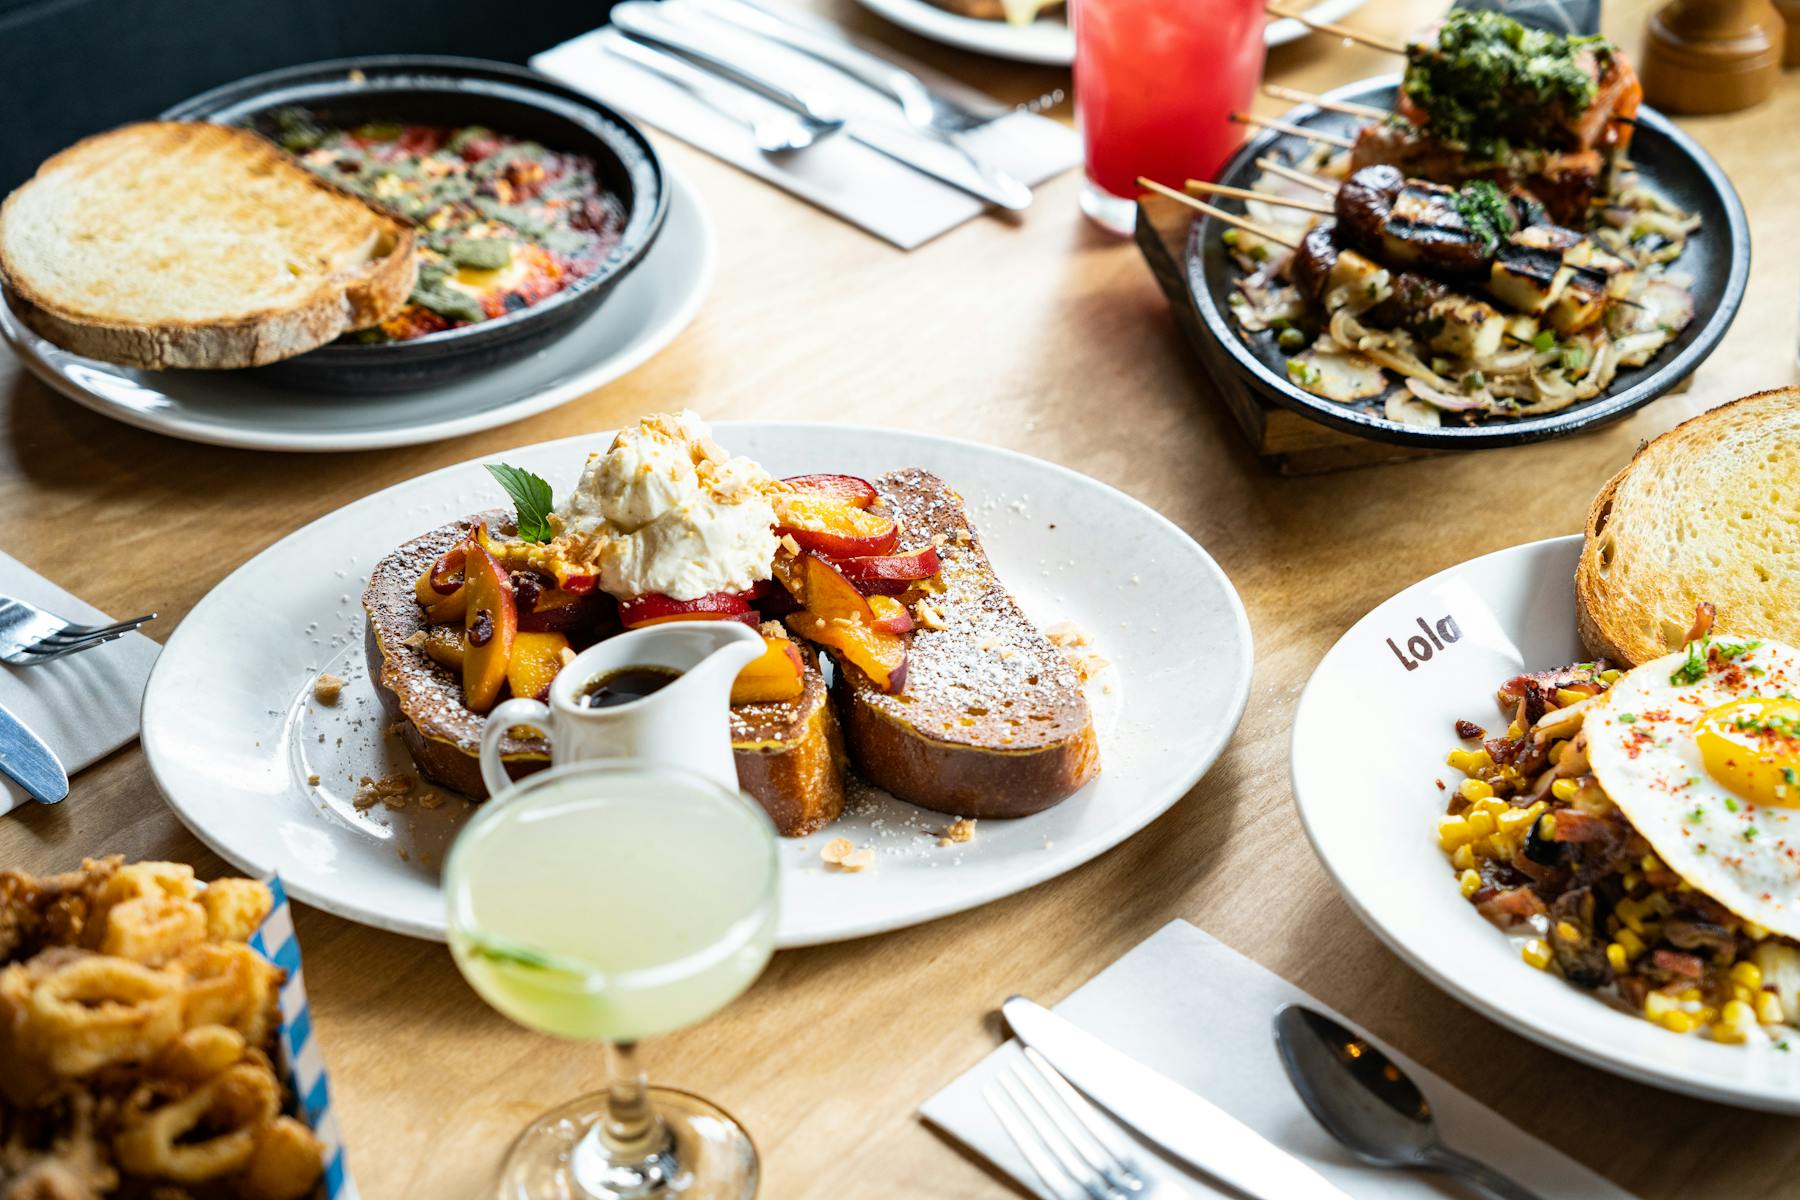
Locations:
(1370, 737)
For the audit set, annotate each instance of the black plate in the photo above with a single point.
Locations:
(456, 91)
(1717, 258)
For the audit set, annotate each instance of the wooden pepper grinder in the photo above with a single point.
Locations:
(1713, 56)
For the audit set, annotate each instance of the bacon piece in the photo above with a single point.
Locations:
(1674, 962)
(1538, 688)
(1704, 612)
(1510, 906)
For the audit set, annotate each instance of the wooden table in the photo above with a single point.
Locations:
(1047, 336)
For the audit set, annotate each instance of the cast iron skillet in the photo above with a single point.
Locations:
(1717, 259)
(456, 91)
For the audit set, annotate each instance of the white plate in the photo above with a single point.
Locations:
(240, 408)
(1369, 740)
(1047, 39)
(232, 734)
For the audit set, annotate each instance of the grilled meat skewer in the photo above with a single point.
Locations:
(1444, 320)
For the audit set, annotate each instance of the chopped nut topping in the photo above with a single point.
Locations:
(327, 688)
(938, 539)
(960, 830)
(962, 537)
(836, 850)
(415, 639)
(312, 780)
(790, 545)
(774, 629)
(1066, 634)
(390, 790)
(929, 615)
(859, 859)
(429, 799)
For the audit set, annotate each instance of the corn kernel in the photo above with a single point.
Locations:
(1566, 697)
(1747, 974)
(1678, 1022)
(1631, 880)
(1768, 1009)
(1755, 932)
(1737, 1013)
(1475, 789)
(1741, 994)
(1469, 882)
(1536, 953)
(1464, 858)
(1514, 820)
(1498, 847)
(1515, 730)
(1481, 824)
(1493, 806)
(1452, 832)
(1650, 863)
(1469, 761)
(1728, 1033)
(1706, 1016)
(1564, 789)
(1546, 827)
(1557, 750)
(1634, 945)
(1658, 1005)
(1690, 995)
(1609, 676)
(1567, 932)
(1617, 958)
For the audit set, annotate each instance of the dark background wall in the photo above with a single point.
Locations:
(69, 68)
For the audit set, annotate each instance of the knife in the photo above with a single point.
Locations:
(1161, 1111)
(28, 762)
(737, 56)
(915, 98)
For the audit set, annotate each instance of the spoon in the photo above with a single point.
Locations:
(1369, 1104)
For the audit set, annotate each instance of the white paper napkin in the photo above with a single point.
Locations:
(84, 706)
(865, 187)
(1200, 1012)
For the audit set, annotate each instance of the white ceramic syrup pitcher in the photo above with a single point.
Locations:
(685, 724)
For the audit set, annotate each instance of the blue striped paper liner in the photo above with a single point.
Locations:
(300, 1058)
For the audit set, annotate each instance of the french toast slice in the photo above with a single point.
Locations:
(182, 244)
(1703, 513)
(991, 721)
(789, 754)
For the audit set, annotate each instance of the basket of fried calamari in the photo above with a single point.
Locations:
(140, 1019)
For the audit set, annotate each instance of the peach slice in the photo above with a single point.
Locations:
(822, 589)
(490, 625)
(536, 658)
(889, 574)
(826, 525)
(654, 608)
(890, 615)
(444, 645)
(881, 656)
(779, 674)
(443, 578)
(546, 608)
(848, 489)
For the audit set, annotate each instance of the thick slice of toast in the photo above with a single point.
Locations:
(180, 244)
(789, 754)
(991, 721)
(1709, 511)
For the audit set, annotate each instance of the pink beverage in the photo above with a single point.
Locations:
(1156, 82)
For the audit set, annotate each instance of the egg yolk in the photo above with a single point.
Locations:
(1752, 748)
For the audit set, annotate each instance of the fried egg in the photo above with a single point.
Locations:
(1701, 752)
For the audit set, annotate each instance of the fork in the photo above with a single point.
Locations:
(1066, 1141)
(30, 636)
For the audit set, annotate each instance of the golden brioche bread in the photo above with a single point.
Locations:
(181, 244)
(1709, 511)
(991, 721)
(789, 754)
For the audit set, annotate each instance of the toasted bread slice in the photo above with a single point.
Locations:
(991, 721)
(789, 754)
(180, 244)
(1709, 511)
(995, 10)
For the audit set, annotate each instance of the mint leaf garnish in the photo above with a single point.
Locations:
(531, 499)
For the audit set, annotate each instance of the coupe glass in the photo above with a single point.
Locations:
(607, 902)
(1156, 83)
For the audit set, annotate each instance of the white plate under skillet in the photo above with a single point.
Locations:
(1373, 727)
(233, 735)
(1047, 39)
(249, 410)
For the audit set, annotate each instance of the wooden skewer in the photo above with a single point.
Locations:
(1311, 135)
(1238, 193)
(1343, 31)
(1301, 177)
(1350, 107)
(1244, 223)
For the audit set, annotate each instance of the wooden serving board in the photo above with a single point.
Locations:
(1285, 441)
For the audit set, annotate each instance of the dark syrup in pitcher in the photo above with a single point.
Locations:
(625, 685)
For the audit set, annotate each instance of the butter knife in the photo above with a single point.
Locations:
(738, 56)
(28, 762)
(1162, 1112)
(929, 111)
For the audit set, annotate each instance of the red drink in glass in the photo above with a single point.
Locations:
(1156, 82)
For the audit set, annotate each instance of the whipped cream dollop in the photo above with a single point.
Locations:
(666, 510)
